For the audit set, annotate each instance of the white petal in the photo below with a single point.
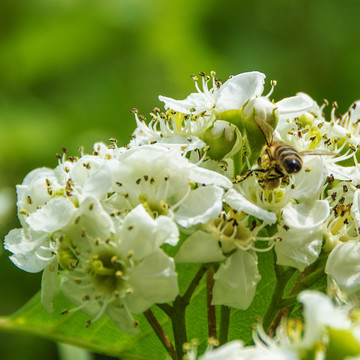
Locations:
(294, 106)
(54, 215)
(355, 209)
(166, 231)
(202, 205)
(308, 185)
(298, 248)
(319, 312)
(34, 186)
(200, 247)
(343, 265)
(240, 203)
(228, 351)
(154, 280)
(98, 183)
(49, 285)
(24, 250)
(143, 235)
(306, 216)
(235, 92)
(122, 319)
(198, 101)
(208, 177)
(236, 280)
(94, 219)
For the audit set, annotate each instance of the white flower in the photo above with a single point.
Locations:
(301, 240)
(326, 327)
(320, 314)
(173, 130)
(229, 238)
(123, 273)
(162, 180)
(233, 94)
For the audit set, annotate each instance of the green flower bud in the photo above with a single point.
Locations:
(222, 137)
(342, 344)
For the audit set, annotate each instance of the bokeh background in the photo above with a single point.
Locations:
(70, 71)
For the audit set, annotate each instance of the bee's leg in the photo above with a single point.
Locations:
(240, 179)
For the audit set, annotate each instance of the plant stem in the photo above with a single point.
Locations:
(160, 333)
(179, 326)
(224, 324)
(210, 308)
(177, 314)
(166, 308)
(194, 283)
(282, 277)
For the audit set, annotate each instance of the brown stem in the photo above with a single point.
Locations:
(160, 333)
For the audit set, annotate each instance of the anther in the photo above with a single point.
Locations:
(134, 110)
(113, 140)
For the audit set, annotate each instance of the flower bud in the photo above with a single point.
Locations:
(222, 137)
(262, 108)
(342, 344)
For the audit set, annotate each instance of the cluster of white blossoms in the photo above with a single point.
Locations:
(99, 222)
(328, 331)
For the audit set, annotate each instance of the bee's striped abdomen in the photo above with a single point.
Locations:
(287, 158)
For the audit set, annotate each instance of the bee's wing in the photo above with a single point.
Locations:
(266, 129)
(318, 152)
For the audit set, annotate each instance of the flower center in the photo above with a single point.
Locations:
(107, 271)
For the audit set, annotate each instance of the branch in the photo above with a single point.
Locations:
(210, 308)
(160, 333)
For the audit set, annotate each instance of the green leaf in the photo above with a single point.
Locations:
(101, 337)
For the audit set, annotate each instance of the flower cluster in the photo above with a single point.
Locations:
(328, 331)
(235, 171)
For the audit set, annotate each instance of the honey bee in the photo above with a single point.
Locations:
(277, 160)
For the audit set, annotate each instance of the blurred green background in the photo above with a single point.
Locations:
(70, 71)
